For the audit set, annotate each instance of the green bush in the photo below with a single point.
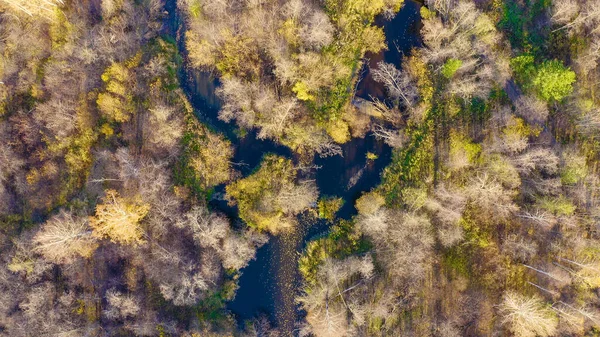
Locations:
(451, 67)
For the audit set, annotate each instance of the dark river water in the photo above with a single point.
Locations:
(269, 283)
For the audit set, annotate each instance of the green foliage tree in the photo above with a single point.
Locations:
(523, 70)
(554, 81)
(550, 80)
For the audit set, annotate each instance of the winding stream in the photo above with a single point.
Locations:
(269, 284)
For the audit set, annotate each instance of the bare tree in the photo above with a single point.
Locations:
(326, 302)
(589, 123)
(58, 116)
(64, 237)
(295, 199)
(110, 7)
(238, 250)
(189, 287)
(208, 229)
(10, 162)
(576, 15)
(318, 30)
(44, 8)
(534, 110)
(120, 306)
(403, 241)
(212, 231)
(392, 137)
(565, 11)
(444, 7)
(447, 205)
(164, 129)
(447, 329)
(464, 34)
(586, 271)
(491, 197)
(540, 159)
(527, 316)
(408, 249)
(399, 84)
(375, 223)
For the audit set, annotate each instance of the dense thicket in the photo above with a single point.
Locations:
(485, 221)
(288, 68)
(104, 176)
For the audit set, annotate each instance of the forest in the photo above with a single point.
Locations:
(305, 168)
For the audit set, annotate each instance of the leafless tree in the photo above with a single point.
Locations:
(163, 129)
(295, 199)
(527, 316)
(64, 237)
(408, 249)
(375, 223)
(444, 7)
(565, 11)
(326, 302)
(589, 123)
(575, 15)
(188, 289)
(208, 229)
(465, 34)
(44, 8)
(399, 84)
(392, 137)
(238, 250)
(318, 30)
(59, 116)
(212, 231)
(539, 218)
(491, 197)
(447, 329)
(532, 109)
(404, 242)
(540, 159)
(120, 306)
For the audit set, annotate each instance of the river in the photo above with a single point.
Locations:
(269, 284)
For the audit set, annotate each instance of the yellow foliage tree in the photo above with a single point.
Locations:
(119, 219)
(369, 203)
(116, 102)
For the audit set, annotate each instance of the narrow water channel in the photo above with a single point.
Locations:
(269, 284)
